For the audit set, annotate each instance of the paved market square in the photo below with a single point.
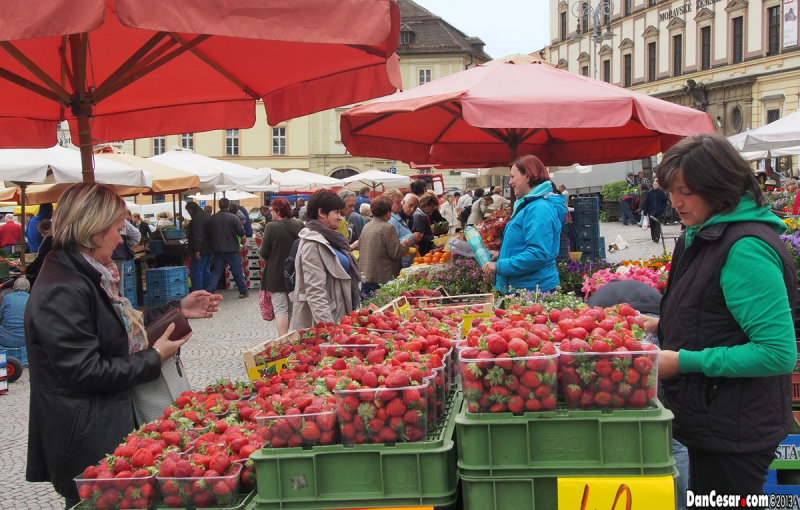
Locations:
(215, 351)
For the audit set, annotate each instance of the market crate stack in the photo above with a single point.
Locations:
(252, 265)
(3, 372)
(165, 284)
(586, 219)
(129, 282)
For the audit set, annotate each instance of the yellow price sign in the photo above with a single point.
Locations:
(615, 493)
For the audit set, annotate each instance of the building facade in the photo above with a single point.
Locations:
(738, 60)
(429, 48)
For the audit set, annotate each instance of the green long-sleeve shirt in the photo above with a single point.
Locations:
(755, 293)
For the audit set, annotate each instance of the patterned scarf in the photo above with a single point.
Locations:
(339, 242)
(133, 319)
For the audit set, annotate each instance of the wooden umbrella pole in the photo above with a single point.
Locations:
(22, 239)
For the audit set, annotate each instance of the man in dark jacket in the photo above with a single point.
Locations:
(199, 241)
(248, 227)
(32, 235)
(224, 227)
(654, 204)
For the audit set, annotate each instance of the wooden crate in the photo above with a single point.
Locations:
(258, 372)
(461, 299)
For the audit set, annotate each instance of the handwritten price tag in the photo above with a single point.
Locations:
(614, 493)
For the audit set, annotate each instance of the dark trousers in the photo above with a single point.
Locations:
(655, 228)
(728, 473)
(232, 259)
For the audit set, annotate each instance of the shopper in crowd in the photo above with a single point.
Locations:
(327, 274)
(563, 191)
(418, 187)
(480, 208)
(10, 233)
(653, 207)
(366, 213)
(420, 222)
(12, 315)
(527, 258)
(727, 337)
(209, 209)
(86, 347)
(163, 220)
(143, 226)
(381, 250)
(276, 244)
(46, 230)
(362, 198)
(32, 236)
(630, 180)
(401, 220)
(629, 204)
(464, 205)
(226, 231)
(348, 226)
(498, 200)
(198, 240)
(299, 204)
(449, 212)
(124, 250)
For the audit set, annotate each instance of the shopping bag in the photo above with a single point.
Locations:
(265, 303)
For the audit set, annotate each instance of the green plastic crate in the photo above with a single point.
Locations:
(539, 492)
(360, 476)
(622, 441)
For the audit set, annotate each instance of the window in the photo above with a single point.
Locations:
(627, 71)
(158, 199)
(187, 141)
(773, 115)
(584, 70)
(585, 16)
(737, 34)
(773, 30)
(677, 54)
(607, 71)
(562, 26)
(705, 48)
(424, 76)
(651, 61)
(279, 141)
(231, 142)
(651, 3)
(628, 7)
(405, 37)
(159, 145)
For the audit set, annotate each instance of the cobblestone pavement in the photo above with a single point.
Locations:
(214, 351)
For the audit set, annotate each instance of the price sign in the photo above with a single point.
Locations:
(617, 493)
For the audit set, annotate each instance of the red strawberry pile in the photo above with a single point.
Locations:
(202, 480)
(413, 295)
(602, 363)
(394, 412)
(364, 318)
(298, 417)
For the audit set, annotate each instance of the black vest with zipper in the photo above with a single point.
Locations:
(720, 414)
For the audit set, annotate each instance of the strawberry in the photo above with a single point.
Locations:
(573, 393)
(221, 489)
(603, 367)
(599, 345)
(638, 399)
(516, 404)
(397, 379)
(396, 408)
(310, 432)
(496, 344)
(643, 365)
(142, 458)
(602, 398)
(121, 465)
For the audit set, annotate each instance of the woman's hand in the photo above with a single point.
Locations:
(650, 324)
(417, 236)
(489, 268)
(167, 348)
(668, 364)
(494, 254)
(200, 304)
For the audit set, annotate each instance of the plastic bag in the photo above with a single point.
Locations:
(460, 247)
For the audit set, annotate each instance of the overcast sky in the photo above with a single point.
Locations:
(506, 26)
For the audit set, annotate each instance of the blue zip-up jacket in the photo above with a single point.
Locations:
(531, 241)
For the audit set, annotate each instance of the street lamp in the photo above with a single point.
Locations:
(583, 11)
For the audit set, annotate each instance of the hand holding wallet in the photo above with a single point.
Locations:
(157, 328)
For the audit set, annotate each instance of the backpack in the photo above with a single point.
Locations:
(289, 270)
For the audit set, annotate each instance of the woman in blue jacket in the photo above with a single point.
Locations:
(527, 258)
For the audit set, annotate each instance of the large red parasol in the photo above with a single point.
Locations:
(485, 116)
(121, 69)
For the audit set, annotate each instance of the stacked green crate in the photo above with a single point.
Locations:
(507, 461)
(363, 475)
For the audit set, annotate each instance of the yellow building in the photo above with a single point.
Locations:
(736, 59)
(429, 48)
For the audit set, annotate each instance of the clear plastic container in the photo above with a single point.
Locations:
(208, 491)
(345, 350)
(595, 380)
(383, 415)
(516, 385)
(110, 492)
(294, 430)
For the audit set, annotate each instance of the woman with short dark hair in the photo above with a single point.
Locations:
(327, 274)
(726, 325)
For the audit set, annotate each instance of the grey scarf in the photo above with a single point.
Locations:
(339, 243)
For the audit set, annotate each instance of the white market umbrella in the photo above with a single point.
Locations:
(294, 180)
(215, 174)
(375, 179)
(780, 134)
(230, 195)
(738, 141)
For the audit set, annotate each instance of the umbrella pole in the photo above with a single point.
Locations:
(24, 228)
(513, 153)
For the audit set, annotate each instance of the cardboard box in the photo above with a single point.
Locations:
(257, 372)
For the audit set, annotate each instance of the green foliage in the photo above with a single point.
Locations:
(613, 191)
(604, 217)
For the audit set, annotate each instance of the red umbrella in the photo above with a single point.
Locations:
(485, 116)
(121, 69)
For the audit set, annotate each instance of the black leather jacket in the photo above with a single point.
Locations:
(80, 372)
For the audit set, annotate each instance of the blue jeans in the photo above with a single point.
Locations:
(627, 213)
(200, 271)
(681, 454)
(234, 260)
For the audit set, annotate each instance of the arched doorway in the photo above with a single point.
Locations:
(341, 173)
